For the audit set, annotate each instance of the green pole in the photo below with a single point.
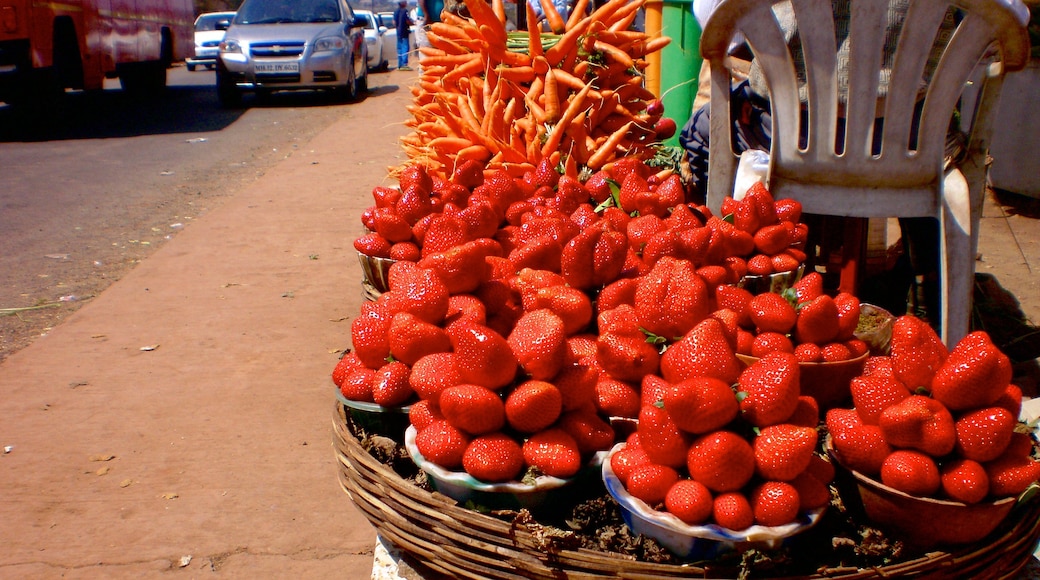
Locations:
(680, 62)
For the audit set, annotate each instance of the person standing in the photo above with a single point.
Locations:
(403, 24)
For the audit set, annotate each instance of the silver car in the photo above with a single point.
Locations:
(275, 45)
(209, 31)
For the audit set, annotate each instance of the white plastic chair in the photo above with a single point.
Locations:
(903, 180)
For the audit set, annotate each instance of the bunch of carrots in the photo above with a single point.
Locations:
(511, 99)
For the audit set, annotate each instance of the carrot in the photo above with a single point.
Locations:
(552, 17)
(450, 60)
(534, 36)
(450, 143)
(430, 51)
(608, 149)
(570, 167)
(471, 67)
(568, 40)
(615, 53)
(575, 106)
(499, 8)
(621, 38)
(483, 15)
(475, 152)
(566, 79)
(650, 46)
(520, 74)
(445, 30)
(552, 97)
(577, 13)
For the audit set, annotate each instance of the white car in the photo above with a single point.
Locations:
(381, 41)
(387, 19)
(209, 31)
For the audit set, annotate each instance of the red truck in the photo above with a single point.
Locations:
(47, 46)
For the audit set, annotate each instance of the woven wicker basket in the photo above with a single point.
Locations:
(443, 538)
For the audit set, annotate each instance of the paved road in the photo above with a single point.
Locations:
(89, 191)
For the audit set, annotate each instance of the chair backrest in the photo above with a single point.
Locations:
(823, 123)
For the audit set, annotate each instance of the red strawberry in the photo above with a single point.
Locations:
(765, 205)
(483, 357)
(577, 385)
(737, 300)
(661, 439)
(808, 352)
(812, 493)
(732, 511)
(622, 350)
(772, 239)
(1011, 400)
(770, 388)
(407, 251)
(390, 225)
(976, 374)
(618, 292)
(721, 460)
(573, 306)
(422, 414)
(701, 404)
(759, 265)
(494, 457)
(767, 342)
(783, 451)
(390, 386)
(745, 217)
(442, 444)
(964, 480)
(539, 343)
(672, 298)
(616, 398)
(857, 446)
(788, 210)
(589, 429)
(533, 406)
(872, 394)
(848, 315)
(625, 460)
(347, 364)
(412, 338)
(553, 452)
(911, 472)
(433, 373)
(652, 389)
(703, 352)
(650, 482)
(419, 291)
(357, 386)
(984, 434)
(690, 501)
(787, 260)
(465, 307)
(368, 333)
(462, 268)
(594, 257)
(817, 321)
(1011, 473)
(920, 423)
(835, 352)
(916, 351)
(809, 287)
(373, 244)
(468, 173)
(771, 312)
(807, 413)
(472, 408)
(774, 503)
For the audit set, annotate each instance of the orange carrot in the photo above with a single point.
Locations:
(650, 46)
(608, 149)
(520, 74)
(568, 40)
(453, 144)
(552, 97)
(450, 60)
(552, 17)
(614, 53)
(577, 13)
(534, 36)
(483, 15)
(575, 106)
(499, 8)
(475, 152)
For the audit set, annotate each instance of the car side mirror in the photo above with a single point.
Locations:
(223, 24)
(383, 29)
(358, 22)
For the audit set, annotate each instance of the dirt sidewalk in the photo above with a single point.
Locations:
(179, 425)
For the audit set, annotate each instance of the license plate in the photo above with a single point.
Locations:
(277, 67)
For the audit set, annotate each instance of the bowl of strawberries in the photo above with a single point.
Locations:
(376, 274)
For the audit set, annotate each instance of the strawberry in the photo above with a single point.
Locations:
(616, 398)
(391, 226)
(483, 356)
(357, 386)
(634, 193)
(465, 307)
(764, 203)
(807, 413)
(812, 493)
(589, 429)
(835, 352)
(916, 351)
(473, 409)
(468, 173)
(808, 352)
(703, 352)
(650, 482)
(415, 176)
(1011, 400)
(920, 423)
(594, 257)
(661, 439)
(411, 338)
(422, 414)
(769, 389)
(346, 364)
(419, 291)
(745, 216)
(848, 315)
(858, 446)
(809, 287)
(872, 394)
(553, 452)
(672, 298)
(730, 328)
(732, 511)
(759, 265)
(577, 385)
(783, 451)
(767, 342)
(690, 501)
(856, 347)
(745, 340)
(405, 251)
(626, 356)
(984, 434)
(652, 389)
(821, 469)
(540, 253)
(787, 260)
(626, 459)
(442, 444)
(461, 268)
(721, 460)
(573, 306)
(539, 343)
(368, 333)
(390, 386)
(774, 503)
(817, 321)
(771, 312)
(976, 374)
(433, 373)
(533, 406)
(788, 210)
(701, 404)
(373, 244)
(911, 472)
(493, 457)
(737, 300)
(618, 292)
(770, 240)
(1011, 473)
(964, 480)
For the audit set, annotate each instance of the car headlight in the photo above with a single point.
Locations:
(230, 46)
(329, 43)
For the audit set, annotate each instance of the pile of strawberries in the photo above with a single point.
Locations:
(937, 423)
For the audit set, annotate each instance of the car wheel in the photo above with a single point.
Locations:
(191, 68)
(227, 93)
(361, 86)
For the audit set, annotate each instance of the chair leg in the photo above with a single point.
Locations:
(853, 254)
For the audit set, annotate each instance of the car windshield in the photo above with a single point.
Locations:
(287, 11)
(209, 22)
(386, 20)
